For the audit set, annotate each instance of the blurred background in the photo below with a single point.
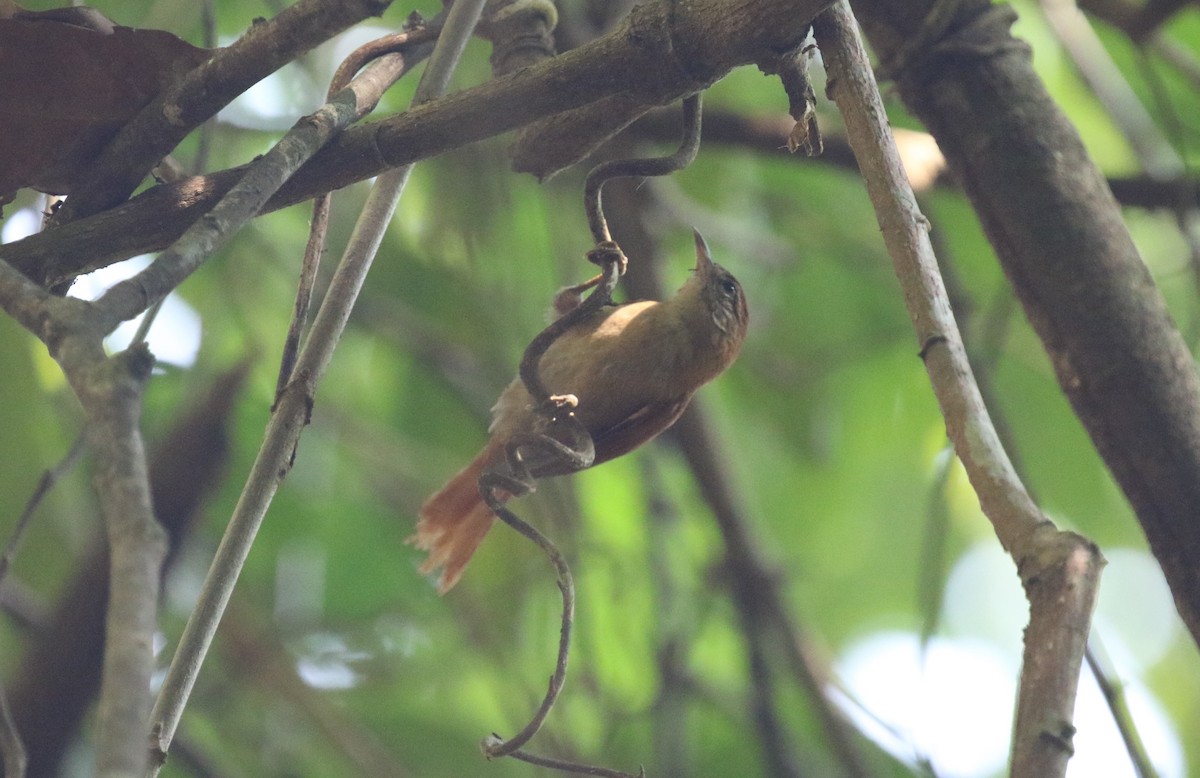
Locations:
(880, 582)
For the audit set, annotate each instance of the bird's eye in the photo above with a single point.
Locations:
(729, 287)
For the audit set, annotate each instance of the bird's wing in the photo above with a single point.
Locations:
(637, 428)
(645, 423)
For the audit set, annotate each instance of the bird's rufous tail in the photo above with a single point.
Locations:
(453, 521)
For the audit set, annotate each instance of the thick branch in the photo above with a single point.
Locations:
(160, 126)
(266, 174)
(110, 391)
(767, 133)
(59, 674)
(661, 53)
(1058, 233)
(1060, 570)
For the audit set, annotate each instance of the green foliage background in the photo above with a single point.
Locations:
(827, 424)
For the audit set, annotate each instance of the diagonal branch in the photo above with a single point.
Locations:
(294, 404)
(662, 53)
(110, 391)
(160, 126)
(1058, 233)
(1060, 570)
(244, 201)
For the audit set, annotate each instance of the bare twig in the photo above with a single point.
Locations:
(578, 455)
(1111, 88)
(495, 746)
(405, 49)
(45, 484)
(143, 329)
(314, 249)
(10, 741)
(292, 410)
(1060, 570)
(1179, 57)
(755, 589)
(1154, 149)
(573, 767)
(496, 485)
(1114, 695)
(653, 166)
(672, 629)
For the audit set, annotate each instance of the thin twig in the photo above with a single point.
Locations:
(1111, 88)
(673, 630)
(10, 741)
(44, 486)
(243, 202)
(1114, 695)
(1179, 57)
(204, 138)
(1159, 156)
(756, 591)
(143, 330)
(493, 485)
(494, 746)
(578, 455)
(294, 406)
(407, 48)
(574, 767)
(755, 585)
(313, 251)
(653, 166)
(557, 409)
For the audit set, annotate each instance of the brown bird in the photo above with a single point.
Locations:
(633, 368)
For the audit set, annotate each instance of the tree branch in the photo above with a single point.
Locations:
(1060, 570)
(294, 404)
(110, 392)
(1058, 234)
(59, 673)
(159, 127)
(109, 389)
(767, 133)
(661, 53)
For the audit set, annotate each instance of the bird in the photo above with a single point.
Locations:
(633, 369)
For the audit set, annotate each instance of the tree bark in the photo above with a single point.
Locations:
(1058, 233)
(662, 53)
